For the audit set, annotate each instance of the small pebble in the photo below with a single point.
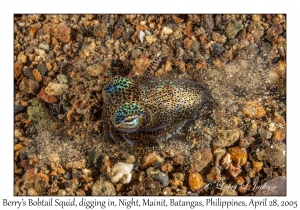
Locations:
(18, 73)
(180, 65)
(32, 192)
(166, 30)
(76, 174)
(86, 172)
(56, 89)
(195, 47)
(207, 22)
(226, 138)
(45, 97)
(29, 86)
(37, 75)
(141, 27)
(67, 175)
(238, 155)
(257, 165)
(168, 66)
(276, 154)
(150, 39)
(264, 134)
(226, 161)
(19, 109)
(63, 79)
(251, 174)
(214, 175)
(121, 172)
(163, 178)
(252, 130)
(149, 159)
(245, 142)
(80, 164)
(103, 187)
(18, 133)
(217, 49)
(167, 167)
(28, 73)
(178, 179)
(18, 147)
(107, 165)
(66, 48)
(119, 187)
(57, 168)
(206, 56)
(107, 162)
(44, 46)
(200, 158)
(22, 58)
(61, 193)
(49, 67)
(196, 181)
(42, 69)
(234, 170)
(272, 127)
(118, 32)
(202, 65)
(149, 187)
(218, 153)
(148, 33)
(256, 18)
(219, 64)
(218, 37)
(261, 154)
(178, 160)
(29, 50)
(98, 68)
(239, 180)
(279, 135)
(254, 110)
(80, 192)
(60, 32)
(187, 43)
(233, 28)
(130, 159)
(136, 53)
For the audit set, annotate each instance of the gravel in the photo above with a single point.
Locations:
(62, 63)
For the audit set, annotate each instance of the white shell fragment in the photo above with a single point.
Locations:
(121, 172)
(141, 36)
(166, 30)
(55, 89)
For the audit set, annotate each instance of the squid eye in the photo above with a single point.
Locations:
(129, 117)
(129, 125)
(131, 122)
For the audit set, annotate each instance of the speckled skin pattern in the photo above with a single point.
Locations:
(140, 110)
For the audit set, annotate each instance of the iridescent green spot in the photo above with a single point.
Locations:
(118, 84)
